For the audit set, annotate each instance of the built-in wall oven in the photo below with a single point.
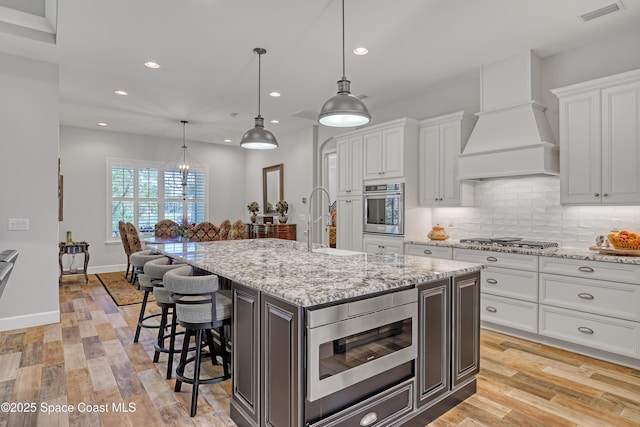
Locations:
(352, 342)
(384, 208)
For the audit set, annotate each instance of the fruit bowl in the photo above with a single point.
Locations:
(624, 240)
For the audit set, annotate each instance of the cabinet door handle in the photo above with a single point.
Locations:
(491, 309)
(585, 330)
(369, 419)
(492, 259)
(492, 281)
(585, 295)
(605, 195)
(586, 269)
(596, 194)
(435, 200)
(427, 251)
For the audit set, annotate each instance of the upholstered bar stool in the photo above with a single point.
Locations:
(9, 255)
(145, 285)
(139, 259)
(200, 307)
(154, 271)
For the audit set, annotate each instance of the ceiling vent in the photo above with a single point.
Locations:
(605, 10)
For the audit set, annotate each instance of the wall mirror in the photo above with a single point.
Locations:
(272, 187)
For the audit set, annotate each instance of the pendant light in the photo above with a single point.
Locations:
(258, 138)
(177, 171)
(344, 109)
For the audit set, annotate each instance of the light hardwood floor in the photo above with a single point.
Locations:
(89, 359)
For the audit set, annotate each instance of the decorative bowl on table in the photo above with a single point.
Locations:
(624, 240)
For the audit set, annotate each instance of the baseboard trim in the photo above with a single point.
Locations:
(106, 269)
(29, 320)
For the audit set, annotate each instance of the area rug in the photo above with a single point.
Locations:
(122, 292)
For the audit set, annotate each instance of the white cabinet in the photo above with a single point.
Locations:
(349, 214)
(600, 141)
(508, 288)
(349, 156)
(381, 245)
(441, 140)
(384, 153)
(389, 150)
(591, 303)
(441, 252)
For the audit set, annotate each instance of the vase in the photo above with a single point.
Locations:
(438, 233)
(253, 218)
(283, 219)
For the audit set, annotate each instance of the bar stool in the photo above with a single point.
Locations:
(139, 259)
(193, 296)
(144, 283)
(154, 271)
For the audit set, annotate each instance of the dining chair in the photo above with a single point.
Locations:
(205, 232)
(122, 227)
(237, 231)
(225, 228)
(167, 229)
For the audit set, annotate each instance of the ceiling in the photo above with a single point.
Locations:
(209, 73)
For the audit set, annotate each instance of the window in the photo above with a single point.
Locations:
(145, 192)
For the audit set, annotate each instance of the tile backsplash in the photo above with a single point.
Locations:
(530, 208)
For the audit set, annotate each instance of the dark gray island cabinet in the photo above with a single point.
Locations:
(336, 338)
(272, 346)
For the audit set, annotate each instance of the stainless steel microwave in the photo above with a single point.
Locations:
(384, 208)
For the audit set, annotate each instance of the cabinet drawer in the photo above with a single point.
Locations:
(380, 410)
(610, 271)
(497, 259)
(441, 252)
(605, 333)
(516, 314)
(613, 299)
(510, 283)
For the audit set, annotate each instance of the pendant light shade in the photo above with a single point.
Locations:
(344, 109)
(259, 138)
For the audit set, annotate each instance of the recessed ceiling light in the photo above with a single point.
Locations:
(121, 92)
(227, 140)
(103, 124)
(361, 51)
(274, 121)
(151, 64)
(274, 94)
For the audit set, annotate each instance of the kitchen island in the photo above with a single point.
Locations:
(409, 348)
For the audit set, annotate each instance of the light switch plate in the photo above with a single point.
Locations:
(18, 224)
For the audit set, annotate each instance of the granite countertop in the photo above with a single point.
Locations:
(285, 269)
(572, 253)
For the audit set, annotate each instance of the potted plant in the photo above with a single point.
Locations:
(253, 208)
(282, 207)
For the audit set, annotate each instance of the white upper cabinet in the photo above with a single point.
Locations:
(349, 154)
(600, 141)
(441, 140)
(384, 151)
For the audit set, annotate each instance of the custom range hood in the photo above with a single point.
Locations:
(512, 136)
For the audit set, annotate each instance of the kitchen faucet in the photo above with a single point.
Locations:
(311, 222)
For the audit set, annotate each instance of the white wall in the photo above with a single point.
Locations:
(295, 152)
(29, 120)
(84, 154)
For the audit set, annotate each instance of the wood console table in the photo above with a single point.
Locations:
(73, 249)
(278, 231)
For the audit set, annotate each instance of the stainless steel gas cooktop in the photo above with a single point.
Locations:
(510, 242)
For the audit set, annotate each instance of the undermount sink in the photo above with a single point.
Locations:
(334, 251)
